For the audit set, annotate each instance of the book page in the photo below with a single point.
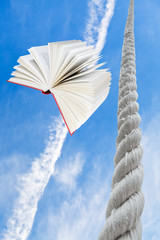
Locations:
(25, 82)
(25, 71)
(41, 57)
(69, 58)
(58, 52)
(54, 53)
(80, 59)
(28, 78)
(69, 110)
(80, 98)
(29, 63)
(83, 69)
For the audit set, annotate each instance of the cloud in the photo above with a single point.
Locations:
(67, 174)
(102, 33)
(96, 30)
(81, 212)
(96, 11)
(82, 217)
(32, 184)
(151, 184)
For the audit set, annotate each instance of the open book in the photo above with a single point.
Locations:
(69, 72)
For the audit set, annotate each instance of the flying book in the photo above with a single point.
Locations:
(67, 70)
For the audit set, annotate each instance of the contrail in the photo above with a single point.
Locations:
(33, 183)
(102, 33)
(96, 30)
(96, 11)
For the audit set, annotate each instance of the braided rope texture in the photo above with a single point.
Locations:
(126, 202)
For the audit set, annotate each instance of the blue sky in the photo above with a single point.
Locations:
(73, 202)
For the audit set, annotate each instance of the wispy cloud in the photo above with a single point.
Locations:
(67, 174)
(83, 215)
(33, 183)
(102, 33)
(96, 11)
(96, 28)
(151, 185)
(81, 212)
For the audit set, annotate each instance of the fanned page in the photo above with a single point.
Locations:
(68, 70)
(58, 53)
(25, 74)
(28, 67)
(78, 100)
(74, 59)
(29, 63)
(41, 57)
(81, 70)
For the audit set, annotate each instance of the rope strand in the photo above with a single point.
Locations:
(126, 202)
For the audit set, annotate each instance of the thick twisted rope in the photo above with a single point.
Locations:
(126, 202)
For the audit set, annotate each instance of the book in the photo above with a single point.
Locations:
(69, 71)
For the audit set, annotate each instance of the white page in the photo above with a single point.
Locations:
(70, 58)
(64, 49)
(83, 97)
(78, 60)
(25, 82)
(29, 63)
(58, 52)
(78, 99)
(79, 71)
(24, 70)
(70, 108)
(53, 53)
(88, 87)
(41, 57)
(68, 114)
(28, 78)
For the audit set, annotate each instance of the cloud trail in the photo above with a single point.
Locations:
(33, 183)
(102, 33)
(96, 30)
(96, 11)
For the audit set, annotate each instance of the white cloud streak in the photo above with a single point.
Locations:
(96, 11)
(96, 30)
(102, 33)
(33, 183)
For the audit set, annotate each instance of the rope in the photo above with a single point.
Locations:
(126, 202)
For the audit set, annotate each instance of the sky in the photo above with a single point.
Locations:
(69, 201)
